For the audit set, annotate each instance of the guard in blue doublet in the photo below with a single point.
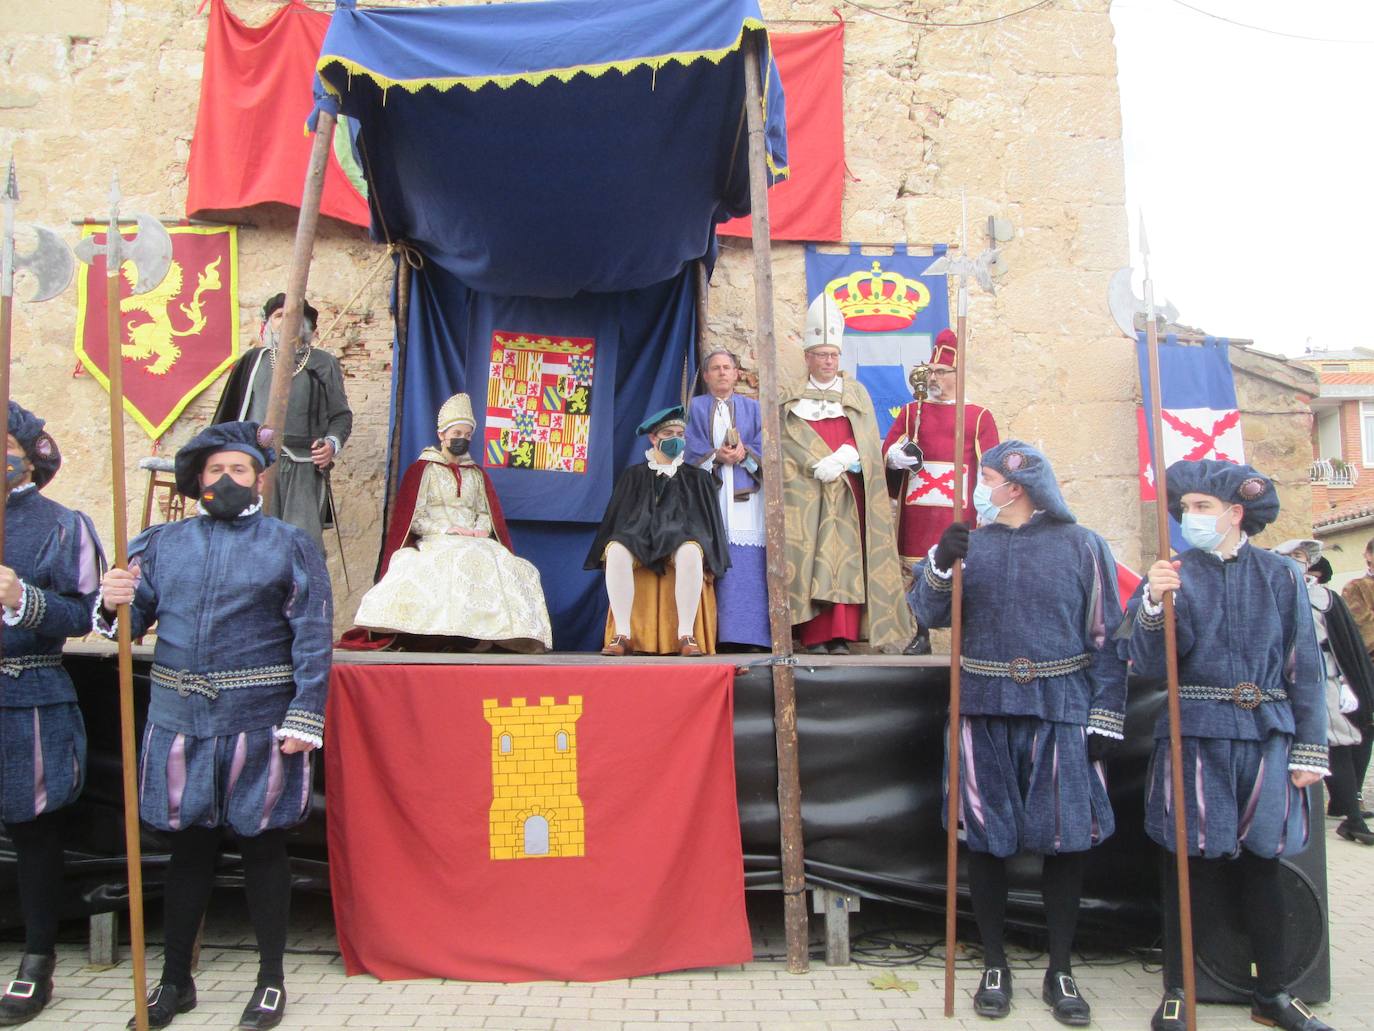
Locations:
(1253, 718)
(51, 570)
(1042, 700)
(244, 618)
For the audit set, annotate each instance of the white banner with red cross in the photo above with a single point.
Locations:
(931, 486)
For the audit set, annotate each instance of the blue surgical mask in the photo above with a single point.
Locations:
(987, 509)
(1200, 530)
(671, 447)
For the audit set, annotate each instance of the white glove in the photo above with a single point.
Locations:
(899, 459)
(828, 468)
(849, 458)
(1349, 703)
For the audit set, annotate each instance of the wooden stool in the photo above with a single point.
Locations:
(161, 477)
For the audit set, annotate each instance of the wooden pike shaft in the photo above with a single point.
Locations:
(299, 276)
(128, 753)
(403, 272)
(956, 628)
(1185, 907)
(779, 611)
(6, 321)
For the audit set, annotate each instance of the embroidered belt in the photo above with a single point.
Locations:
(209, 685)
(1023, 671)
(13, 667)
(1245, 695)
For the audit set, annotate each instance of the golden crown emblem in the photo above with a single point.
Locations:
(875, 300)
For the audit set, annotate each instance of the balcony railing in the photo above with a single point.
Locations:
(1333, 473)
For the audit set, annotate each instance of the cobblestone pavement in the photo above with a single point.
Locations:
(759, 996)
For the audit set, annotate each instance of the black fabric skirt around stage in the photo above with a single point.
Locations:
(871, 742)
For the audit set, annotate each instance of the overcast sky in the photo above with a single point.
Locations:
(1252, 155)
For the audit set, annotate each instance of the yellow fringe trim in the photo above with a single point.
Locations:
(535, 78)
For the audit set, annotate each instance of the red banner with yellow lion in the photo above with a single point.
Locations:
(177, 337)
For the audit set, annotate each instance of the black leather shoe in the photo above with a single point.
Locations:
(165, 1001)
(1170, 1016)
(1284, 1011)
(1361, 834)
(918, 645)
(265, 1009)
(1061, 996)
(839, 647)
(993, 997)
(30, 990)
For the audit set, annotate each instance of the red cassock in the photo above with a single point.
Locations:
(840, 620)
(927, 496)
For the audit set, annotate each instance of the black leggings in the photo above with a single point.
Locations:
(191, 875)
(1259, 896)
(1061, 887)
(38, 851)
(1349, 764)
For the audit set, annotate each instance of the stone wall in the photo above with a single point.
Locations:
(1022, 114)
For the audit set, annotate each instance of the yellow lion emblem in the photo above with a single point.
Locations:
(155, 338)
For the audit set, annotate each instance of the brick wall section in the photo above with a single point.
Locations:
(1023, 114)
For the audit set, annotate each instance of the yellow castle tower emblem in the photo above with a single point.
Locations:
(535, 810)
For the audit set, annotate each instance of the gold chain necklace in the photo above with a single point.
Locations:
(300, 362)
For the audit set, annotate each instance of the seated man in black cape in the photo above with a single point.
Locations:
(661, 534)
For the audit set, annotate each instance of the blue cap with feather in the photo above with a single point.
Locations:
(39, 447)
(247, 437)
(1027, 466)
(1233, 484)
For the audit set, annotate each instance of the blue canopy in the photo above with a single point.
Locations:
(546, 148)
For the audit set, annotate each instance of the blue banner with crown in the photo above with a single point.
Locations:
(892, 313)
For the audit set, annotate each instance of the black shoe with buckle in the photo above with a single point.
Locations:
(1170, 1016)
(1061, 996)
(1282, 1010)
(165, 1001)
(993, 997)
(265, 1009)
(29, 992)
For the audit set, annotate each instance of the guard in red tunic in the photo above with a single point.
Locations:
(919, 456)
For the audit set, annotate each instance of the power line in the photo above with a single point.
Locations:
(946, 24)
(1272, 32)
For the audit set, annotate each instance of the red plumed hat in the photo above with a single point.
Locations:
(946, 349)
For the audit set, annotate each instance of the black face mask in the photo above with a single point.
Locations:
(225, 499)
(459, 445)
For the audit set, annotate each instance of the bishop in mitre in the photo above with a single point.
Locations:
(448, 569)
(844, 577)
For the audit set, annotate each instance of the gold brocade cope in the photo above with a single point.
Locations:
(653, 620)
(828, 560)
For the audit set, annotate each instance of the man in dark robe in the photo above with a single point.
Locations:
(318, 419)
(661, 534)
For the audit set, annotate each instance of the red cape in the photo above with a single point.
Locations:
(400, 536)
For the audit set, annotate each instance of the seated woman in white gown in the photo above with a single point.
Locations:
(448, 569)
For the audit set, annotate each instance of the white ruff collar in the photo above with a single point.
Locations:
(659, 467)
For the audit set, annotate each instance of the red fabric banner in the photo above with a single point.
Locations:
(534, 823)
(250, 145)
(178, 337)
(806, 206)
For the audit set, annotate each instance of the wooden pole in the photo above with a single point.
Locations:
(1185, 905)
(402, 351)
(128, 753)
(703, 305)
(956, 628)
(779, 612)
(293, 311)
(6, 319)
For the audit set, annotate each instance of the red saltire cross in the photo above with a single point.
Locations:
(1206, 441)
(928, 485)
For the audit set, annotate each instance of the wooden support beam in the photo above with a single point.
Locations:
(779, 612)
(293, 311)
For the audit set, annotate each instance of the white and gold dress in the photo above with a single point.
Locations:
(450, 585)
